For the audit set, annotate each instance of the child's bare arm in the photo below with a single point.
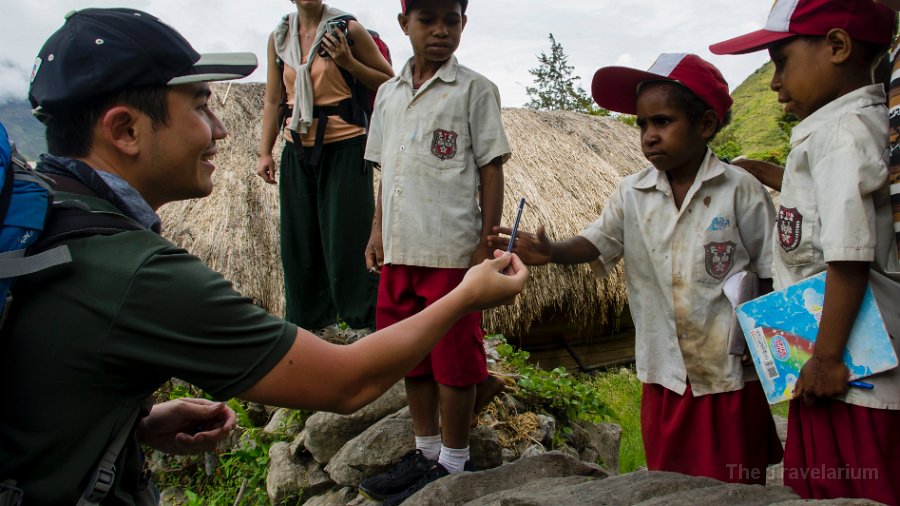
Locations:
(537, 249)
(766, 173)
(375, 248)
(825, 374)
(491, 207)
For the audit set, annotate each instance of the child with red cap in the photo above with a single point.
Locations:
(835, 216)
(438, 137)
(683, 226)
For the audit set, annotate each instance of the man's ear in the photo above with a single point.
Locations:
(120, 129)
(465, 19)
(840, 45)
(403, 20)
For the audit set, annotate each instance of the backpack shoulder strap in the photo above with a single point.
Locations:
(104, 475)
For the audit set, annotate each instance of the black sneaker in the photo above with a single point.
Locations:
(436, 472)
(405, 473)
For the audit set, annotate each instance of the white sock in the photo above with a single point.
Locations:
(453, 459)
(430, 446)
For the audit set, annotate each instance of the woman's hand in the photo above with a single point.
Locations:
(186, 426)
(265, 168)
(338, 49)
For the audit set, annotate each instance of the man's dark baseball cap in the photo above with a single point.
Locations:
(103, 51)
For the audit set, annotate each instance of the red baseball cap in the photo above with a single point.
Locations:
(616, 88)
(863, 20)
(463, 3)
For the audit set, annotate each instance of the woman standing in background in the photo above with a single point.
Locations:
(325, 186)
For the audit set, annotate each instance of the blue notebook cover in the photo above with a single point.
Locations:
(781, 329)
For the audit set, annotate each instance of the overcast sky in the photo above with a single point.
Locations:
(502, 38)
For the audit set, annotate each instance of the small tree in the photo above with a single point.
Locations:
(554, 85)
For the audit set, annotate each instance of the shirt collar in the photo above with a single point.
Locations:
(446, 73)
(866, 96)
(711, 167)
(106, 185)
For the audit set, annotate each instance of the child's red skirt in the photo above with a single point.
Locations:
(835, 449)
(729, 436)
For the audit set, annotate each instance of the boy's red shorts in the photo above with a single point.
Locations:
(729, 436)
(458, 360)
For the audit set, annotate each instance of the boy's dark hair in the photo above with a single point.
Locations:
(693, 107)
(70, 132)
(410, 4)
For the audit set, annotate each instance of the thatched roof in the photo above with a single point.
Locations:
(564, 164)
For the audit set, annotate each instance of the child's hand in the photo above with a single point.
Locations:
(375, 253)
(533, 249)
(821, 378)
(494, 282)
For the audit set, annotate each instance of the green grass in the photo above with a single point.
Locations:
(621, 391)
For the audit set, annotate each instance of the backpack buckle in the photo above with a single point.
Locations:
(100, 484)
(10, 494)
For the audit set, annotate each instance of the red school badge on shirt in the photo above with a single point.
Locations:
(443, 144)
(790, 223)
(719, 258)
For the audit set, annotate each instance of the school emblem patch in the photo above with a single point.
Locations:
(443, 144)
(790, 223)
(719, 258)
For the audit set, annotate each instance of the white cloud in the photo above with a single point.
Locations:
(501, 40)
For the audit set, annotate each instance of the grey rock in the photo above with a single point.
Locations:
(604, 438)
(283, 422)
(545, 431)
(508, 455)
(285, 478)
(326, 433)
(464, 487)
(373, 451)
(173, 497)
(484, 447)
(533, 451)
(340, 497)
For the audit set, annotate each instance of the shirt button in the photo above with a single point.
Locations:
(402, 148)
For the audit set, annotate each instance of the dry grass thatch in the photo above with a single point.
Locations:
(564, 164)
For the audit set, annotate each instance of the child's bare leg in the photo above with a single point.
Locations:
(490, 387)
(422, 396)
(456, 404)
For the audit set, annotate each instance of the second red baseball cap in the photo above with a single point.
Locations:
(616, 88)
(863, 20)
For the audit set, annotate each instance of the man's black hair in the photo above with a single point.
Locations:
(70, 132)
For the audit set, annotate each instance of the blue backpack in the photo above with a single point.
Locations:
(25, 203)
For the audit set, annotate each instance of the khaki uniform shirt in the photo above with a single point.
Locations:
(676, 262)
(430, 144)
(835, 206)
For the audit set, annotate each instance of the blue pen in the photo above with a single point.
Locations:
(861, 384)
(515, 229)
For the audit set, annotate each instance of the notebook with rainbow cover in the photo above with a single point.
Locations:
(781, 329)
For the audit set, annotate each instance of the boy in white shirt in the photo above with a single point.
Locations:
(438, 136)
(835, 216)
